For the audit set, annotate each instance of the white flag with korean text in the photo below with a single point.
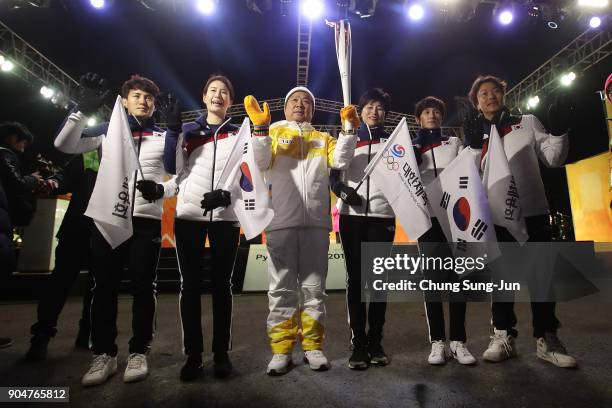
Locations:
(396, 174)
(502, 191)
(110, 205)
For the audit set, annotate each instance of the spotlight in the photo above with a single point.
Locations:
(567, 79)
(416, 12)
(7, 66)
(312, 8)
(97, 3)
(2, 59)
(533, 102)
(91, 121)
(364, 8)
(593, 3)
(553, 16)
(205, 6)
(595, 22)
(505, 17)
(47, 92)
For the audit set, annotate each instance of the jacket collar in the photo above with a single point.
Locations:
(293, 125)
(201, 120)
(377, 132)
(146, 125)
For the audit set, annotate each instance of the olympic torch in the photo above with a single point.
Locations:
(344, 49)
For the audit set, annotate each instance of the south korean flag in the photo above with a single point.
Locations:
(460, 204)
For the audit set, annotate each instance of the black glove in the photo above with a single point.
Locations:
(349, 195)
(473, 129)
(171, 112)
(561, 114)
(215, 199)
(150, 190)
(91, 94)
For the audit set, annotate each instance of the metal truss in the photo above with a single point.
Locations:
(322, 105)
(589, 48)
(33, 67)
(303, 49)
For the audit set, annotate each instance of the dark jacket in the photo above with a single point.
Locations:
(80, 182)
(19, 188)
(7, 252)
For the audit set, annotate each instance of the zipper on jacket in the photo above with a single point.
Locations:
(136, 172)
(367, 204)
(302, 160)
(212, 180)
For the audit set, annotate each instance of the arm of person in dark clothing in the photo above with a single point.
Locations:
(11, 176)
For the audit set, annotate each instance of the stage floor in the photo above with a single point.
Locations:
(408, 381)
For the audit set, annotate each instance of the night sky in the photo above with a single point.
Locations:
(258, 52)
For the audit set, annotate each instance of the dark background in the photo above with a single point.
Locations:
(258, 52)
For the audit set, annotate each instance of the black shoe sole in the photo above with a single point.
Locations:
(192, 376)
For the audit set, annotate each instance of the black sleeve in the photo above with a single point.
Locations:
(10, 174)
(334, 181)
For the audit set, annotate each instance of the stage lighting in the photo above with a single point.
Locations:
(593, 3)
(505, 17)
(416, 11)
(97, 3)
(363, 8)
(7, 66)
(595, 22)
(312, 8)
(567, 79)
(91, 121)
(205, 6)
(533, 102)
(47, 92)
(2, 59)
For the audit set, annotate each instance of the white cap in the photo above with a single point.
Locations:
(301, 89)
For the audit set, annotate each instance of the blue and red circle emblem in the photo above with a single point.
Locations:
(246, 180)
(461, 213)
(398, 150)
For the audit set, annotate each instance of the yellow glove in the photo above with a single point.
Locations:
(257, 116)
(349, 113)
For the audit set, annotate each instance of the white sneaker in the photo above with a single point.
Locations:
(316, 360)
(102, 367)
(438, 354)
(461, 353)
(550, 348)
(501, 347)
(137, 368)
(279, 364)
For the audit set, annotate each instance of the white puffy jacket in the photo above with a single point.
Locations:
(525, 141)
(203, 155)
(74, 138)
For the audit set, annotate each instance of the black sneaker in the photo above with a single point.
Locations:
(5, 342)
(38, 348)
(377, 355)
(192, 369)
(223, 365)
(359, 359)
